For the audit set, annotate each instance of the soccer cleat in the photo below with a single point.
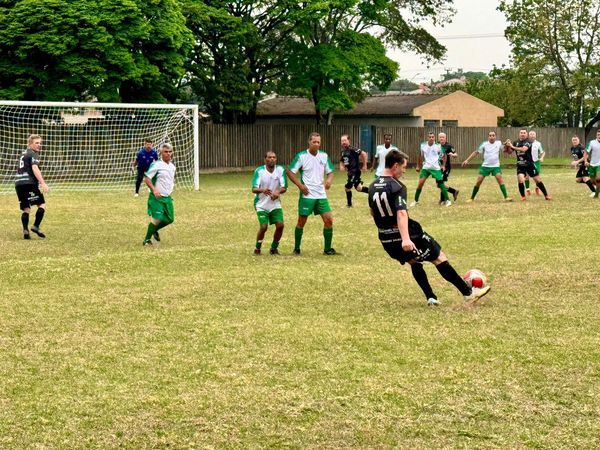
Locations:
(413, 204)
(156, 236)
(147, 242)
(477, 293)
(273, 251)
(547, 197)
(136, 195)
(537, 191)
(348, 206)
(26, 234)
(433, 302)
(471, 200)
(508, 199)
(330, 252)
(37, 231)
(297, 251)
(447, 203)
(256, 252)
(455, 194)
(592, 195)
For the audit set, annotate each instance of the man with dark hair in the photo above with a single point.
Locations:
(351, 160)
(144, 157)
(578, 155)
(380, 152)
(403, 238)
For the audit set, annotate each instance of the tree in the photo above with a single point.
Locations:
(556, 40)
(125, 50)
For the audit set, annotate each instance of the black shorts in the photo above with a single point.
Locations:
(427, 249)
(528, 169)
(446, 174)
(29, 194)
(582, 172)
(353, 180)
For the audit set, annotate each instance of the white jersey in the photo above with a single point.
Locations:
(380, 154)
(263, 179)
(313, 169)
(593, 149)
(162, 175)
(537, 149)
(431, 155)
(491, 153)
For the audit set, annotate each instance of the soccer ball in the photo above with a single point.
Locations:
(475, 278)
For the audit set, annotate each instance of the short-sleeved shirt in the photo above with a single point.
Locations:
(593, 149)
(145, 158)
(263, 179)
(312, 169)
(431, 155)
(25, 175)
(490, 152)
(447, 149)
(523, 158)
(380, 153)
(162, 175)
(536, 150)
(577, 154)
(350, 157)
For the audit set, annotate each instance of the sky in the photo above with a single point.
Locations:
(474, 41)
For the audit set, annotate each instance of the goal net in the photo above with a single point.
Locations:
(92, 146)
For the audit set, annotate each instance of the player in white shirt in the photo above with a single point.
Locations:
(490, 151)
(313, 164)
(537, 154)
(268, 183)
(160, 179)
(592, 161)
(429, 164)
(380, 152)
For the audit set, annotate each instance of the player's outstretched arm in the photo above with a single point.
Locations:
(469, 158)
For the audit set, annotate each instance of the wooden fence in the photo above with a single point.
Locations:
(235, 147)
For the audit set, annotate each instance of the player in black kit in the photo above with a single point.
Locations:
(27, 184)
(403, 238)
(351, 160)
(448, 153)
(525, 165)
(582, 176)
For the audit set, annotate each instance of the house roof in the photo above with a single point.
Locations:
(392, 104)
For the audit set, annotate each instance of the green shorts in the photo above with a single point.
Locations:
(161, 208)
(593, 171)
(485, 171)
(538, 166)
(435, 174)
(269, 218)
(316, 206)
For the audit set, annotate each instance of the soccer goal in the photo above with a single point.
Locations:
(92, 146)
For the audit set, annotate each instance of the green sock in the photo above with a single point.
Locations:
(258, 244)
(328, 235)
(274, 244)
(298, 237)
(444, 190)
(526, 184)
(417, 194)
(474, 193)
(151, 231)
(503, 189)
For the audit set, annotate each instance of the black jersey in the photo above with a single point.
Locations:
(387, 196)
(25, 175)
(523, 158)
(577, 153)
(350, 157)
(447, 149)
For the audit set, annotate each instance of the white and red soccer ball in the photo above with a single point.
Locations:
(475, 278)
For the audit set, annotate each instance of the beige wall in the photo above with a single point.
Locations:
(345, 120)
(468, 110)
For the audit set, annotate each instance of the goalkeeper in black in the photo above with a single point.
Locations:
(403, 238)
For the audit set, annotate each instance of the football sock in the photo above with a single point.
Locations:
(420, 277)
(542, 188)
(258, 244)
(298, 237)
(527, 183)
(444, 191)
(503, 189)
(328, 235)
(274, 244)
(25, 220)
(417, 194)
(349, 198)
(591, 185)
(475, 191)
(522, 189)
(449, 274)
(39, 216)
(451, 190)
(151, 230)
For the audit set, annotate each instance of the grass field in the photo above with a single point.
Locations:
(195, 343)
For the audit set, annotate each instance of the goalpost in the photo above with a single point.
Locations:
(92, 146)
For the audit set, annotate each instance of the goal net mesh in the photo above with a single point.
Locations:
(93, 147)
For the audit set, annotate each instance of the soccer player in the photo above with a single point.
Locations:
(592, 161)
(145, 156)
(525, 166)
(403, 238)
(582, 176)
(313, 164)
(448, 153)
(429, 164)
(268, 183)
(28, 182)
(537, 154)
(490, 150)
(380, 152)
(160, 179)
(351, 160)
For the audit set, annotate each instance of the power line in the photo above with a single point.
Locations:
(470, 36)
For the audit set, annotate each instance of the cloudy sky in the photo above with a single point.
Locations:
(474, 41)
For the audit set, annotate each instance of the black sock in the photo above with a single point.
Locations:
(591, 185)
(542, 188)
(365, 189)
(522, 189)
(449, 274)
(421, 277)
(39, 216)
(25, 220)
(349, 198)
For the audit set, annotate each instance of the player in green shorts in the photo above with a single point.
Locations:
(313, 164)
(160, 179)
(429, 160)
(268, 183)
(537, 154)
(490, 151)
